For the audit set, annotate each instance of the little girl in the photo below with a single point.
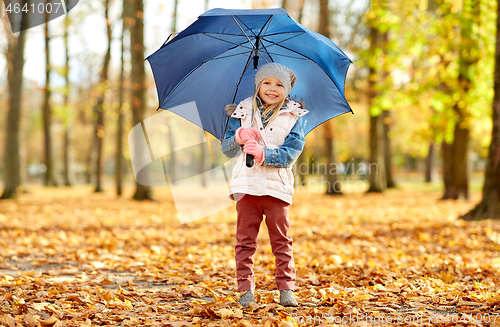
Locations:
(275, 138)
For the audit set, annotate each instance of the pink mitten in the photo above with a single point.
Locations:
(252, 147)
(245, 134)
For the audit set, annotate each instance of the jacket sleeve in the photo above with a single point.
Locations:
(286, 155)
(229, 146)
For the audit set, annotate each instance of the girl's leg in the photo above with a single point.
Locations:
(249, 219)
(277, 222)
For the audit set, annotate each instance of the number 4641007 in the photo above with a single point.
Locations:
(40, 8)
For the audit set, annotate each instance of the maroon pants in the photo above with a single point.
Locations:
(251, 209)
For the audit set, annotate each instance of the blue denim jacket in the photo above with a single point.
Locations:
(282, 157)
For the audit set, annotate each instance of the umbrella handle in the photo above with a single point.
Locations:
(250, 160)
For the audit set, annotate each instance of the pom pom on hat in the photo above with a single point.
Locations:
(279, 71)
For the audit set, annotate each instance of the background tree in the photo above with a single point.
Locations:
(378, 38)
(138, 78)
(15, 63)
(489, 207)
(100, 106)
(455, 155)
(67, 109)
(285, 4)
(386, 132)
(174, 16)
(324, 29)
(50, 178)
(430, 160)
(126, 16)
(172, 162)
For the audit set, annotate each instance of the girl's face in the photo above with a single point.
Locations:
(271, 91)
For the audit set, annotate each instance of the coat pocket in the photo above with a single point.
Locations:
(283, 175)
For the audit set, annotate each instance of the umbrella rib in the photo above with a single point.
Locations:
(241, 76)
(237, 86)
(268, 23)
(281, 40)
(283, 55)
(299, 33)
(187, 75)
(252, 33)
(217, 34)
(240, 45)
(245, 34)
(243, 24)
(233, 55)
(265, 49)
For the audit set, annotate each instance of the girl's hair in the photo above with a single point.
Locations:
(274, 108)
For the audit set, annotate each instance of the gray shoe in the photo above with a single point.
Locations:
(287, 299)
(247, 298)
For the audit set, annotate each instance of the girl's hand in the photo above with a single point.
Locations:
(253, 148)
(243, 135)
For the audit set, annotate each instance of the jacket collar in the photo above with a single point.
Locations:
(285, 108)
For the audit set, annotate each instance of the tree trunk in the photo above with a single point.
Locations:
(142, 192)
(90, 158)
(460, 163)
(174, 17)
(12, 142)
(119, 137)
(430, 167)
(332, 179)
(334, 185)
(455, 167)
(67, 141)
(285, 4)
(387, 120)
(172, 164)
(447, 154)
(376, 166)
(458, 186)
(50, 179)
(489, 207)
(324, 18)
(103, 85)
(301, 10)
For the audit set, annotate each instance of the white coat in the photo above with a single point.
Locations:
(262, 180)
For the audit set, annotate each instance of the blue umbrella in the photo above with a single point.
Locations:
(213, 63)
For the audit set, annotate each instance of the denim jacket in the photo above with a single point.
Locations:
(283, 157)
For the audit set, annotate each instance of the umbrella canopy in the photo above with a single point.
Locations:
(212, 62)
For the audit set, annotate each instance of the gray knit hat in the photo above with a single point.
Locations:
(279, 71)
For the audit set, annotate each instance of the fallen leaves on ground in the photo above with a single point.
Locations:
(70, 257)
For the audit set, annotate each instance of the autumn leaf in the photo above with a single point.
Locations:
(226, 313)
(394, 258)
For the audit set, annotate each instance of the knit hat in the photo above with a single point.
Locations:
(279, 71)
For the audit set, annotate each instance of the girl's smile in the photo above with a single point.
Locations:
(271, 91)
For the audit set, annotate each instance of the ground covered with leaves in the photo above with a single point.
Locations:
(70, 257)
